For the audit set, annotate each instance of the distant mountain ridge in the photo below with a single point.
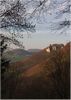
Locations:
(17, 54)
(33, 50)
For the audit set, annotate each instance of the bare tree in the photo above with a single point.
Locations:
(64, 9)
(13, 18)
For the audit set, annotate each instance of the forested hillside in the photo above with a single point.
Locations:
(43, 75)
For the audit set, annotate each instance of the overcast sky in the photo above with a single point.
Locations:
(44, 36)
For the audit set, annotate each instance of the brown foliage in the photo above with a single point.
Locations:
(49, 79)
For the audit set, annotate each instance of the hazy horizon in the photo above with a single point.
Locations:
(41, 41)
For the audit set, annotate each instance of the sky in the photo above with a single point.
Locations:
(44, 36)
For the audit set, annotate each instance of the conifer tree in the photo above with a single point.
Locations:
(4, 61)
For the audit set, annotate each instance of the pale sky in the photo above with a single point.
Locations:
(42, 39)
(43, 36)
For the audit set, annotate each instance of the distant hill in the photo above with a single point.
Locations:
(17, 54)
(34, 50)
(36, 58)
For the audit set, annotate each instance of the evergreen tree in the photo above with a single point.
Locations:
(4, 61)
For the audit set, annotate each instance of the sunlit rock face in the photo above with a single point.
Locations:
(48, 50)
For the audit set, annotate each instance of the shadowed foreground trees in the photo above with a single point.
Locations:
(61, 76)
(4, 61)
(15, 19)
(52, 83)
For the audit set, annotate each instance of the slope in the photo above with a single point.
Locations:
(41, 76)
